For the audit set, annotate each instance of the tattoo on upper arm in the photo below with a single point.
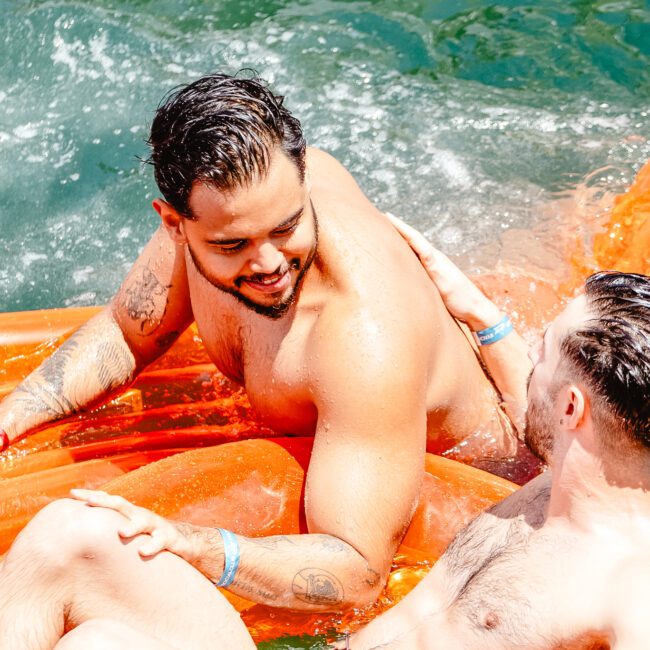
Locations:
(317, 587)
(146, 300)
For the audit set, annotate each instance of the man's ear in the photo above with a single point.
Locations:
(574, 407)
(171, 220)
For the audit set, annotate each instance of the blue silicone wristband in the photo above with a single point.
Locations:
(230, 558)
(495, 333)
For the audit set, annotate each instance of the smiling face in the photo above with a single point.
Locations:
(542, 383)
(257, 242)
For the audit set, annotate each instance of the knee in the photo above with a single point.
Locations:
(96, 634)
(66, 530)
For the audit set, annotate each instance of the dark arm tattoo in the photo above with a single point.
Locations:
(317, 587)
(106, 364)
(49, 397)
(144, 301)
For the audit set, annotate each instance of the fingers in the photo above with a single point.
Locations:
(103, 499)
(163, 535)
(417, 241)
(156, 543)
(139, 520)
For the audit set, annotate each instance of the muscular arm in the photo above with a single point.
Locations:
(148, 313)
(361, 487)
(363, 479)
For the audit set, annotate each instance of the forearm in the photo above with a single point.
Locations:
(301, 572)
(93, 362)
(506, 360)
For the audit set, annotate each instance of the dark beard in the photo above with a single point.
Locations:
(279, 309)
(538, 434)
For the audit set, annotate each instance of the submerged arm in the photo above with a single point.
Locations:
(507, 359)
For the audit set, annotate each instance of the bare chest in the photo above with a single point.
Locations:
(269, 358)
(542, 593)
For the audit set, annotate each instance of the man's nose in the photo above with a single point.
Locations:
(267, 259)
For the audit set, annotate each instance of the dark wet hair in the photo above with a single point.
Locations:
(221, 130)
(611, 354)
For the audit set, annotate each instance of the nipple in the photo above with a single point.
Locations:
(491, 621)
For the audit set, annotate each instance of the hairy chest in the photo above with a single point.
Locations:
(539, 591)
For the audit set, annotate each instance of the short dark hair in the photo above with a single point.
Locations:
(222, 130)
(611, 354)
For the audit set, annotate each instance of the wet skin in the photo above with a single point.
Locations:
(556, 565)
(305, 294)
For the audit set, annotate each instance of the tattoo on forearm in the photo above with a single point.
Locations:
(48, 391)
(36, 398)
(272, 543)
(317, 587)
(257, 592)
(146, 301)
(114, 365)
(50, 396)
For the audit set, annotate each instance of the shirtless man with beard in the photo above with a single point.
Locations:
(563, 563)
(305, 294)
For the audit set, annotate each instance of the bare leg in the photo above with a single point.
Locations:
(103, 634)
(69, 567)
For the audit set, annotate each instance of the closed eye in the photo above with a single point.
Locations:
(232, 247)
(285, 230)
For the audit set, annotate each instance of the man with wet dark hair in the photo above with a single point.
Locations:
(563, 562)
(306, 295)
(220, 130)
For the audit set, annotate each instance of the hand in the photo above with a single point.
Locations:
(463, 299)
(165, 535)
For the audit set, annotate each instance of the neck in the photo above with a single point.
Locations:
(587, 491)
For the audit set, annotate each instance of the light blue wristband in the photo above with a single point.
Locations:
(230, 558)
(495, 333)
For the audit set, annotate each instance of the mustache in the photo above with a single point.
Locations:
(281, 270)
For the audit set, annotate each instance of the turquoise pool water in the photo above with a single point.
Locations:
(471, 119)
(467, 117)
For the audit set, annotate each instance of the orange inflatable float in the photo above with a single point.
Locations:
(159, 444)
(183, 441)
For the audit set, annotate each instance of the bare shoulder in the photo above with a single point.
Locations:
(329, 179)
(530, 502)
(365, 344)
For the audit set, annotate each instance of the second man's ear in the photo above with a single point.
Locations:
(171, 220)
(573, 406)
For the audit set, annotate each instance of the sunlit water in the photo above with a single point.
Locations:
(467, 118)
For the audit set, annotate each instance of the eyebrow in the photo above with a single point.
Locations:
(287, 222)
